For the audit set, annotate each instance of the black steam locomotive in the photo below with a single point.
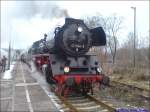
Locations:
(69, 66)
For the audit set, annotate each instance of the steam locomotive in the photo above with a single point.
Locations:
(39, 53)
(69, 66)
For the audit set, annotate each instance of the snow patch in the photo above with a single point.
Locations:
(33, 67)
(7, 74)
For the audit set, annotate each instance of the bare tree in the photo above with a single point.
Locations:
(93, 21)
(125, 53)
(111, 25)
(131, 43)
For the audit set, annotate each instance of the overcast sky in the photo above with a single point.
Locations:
(24, 22)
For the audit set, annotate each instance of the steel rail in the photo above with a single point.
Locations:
(98, 102)
(129, 85)
(146, 92)
(75, 109)
(67, 103)
(64, 100)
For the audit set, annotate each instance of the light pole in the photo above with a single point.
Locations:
(134, 47)
(0, 46)
(9, 55)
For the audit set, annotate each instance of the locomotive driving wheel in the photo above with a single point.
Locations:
(58, 89)
(65, 90)
(86, 87)
(62, 90)
(48, 76)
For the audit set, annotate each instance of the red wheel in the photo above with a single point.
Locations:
(58, 89)
(65, 91)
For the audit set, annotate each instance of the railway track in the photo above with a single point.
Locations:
(88, 103)
(134, 89)
(85, 103)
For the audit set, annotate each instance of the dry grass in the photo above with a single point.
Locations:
(137, 76)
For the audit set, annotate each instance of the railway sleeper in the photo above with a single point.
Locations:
(86, 104)
(76, 98)
(90, 108)
(79, 101)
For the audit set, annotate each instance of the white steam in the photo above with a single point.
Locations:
(24, 22)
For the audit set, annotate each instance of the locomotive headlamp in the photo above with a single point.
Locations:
(66, 69)
(80, 29)
(99, 69)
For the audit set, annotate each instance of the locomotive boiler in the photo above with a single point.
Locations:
(70, 65)
(74, 38)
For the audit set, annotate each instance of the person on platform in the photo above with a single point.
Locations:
(0, 65)
(4, 59)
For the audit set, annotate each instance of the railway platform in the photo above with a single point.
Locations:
(23, 93)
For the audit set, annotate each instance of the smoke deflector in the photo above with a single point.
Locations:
(98, 36)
